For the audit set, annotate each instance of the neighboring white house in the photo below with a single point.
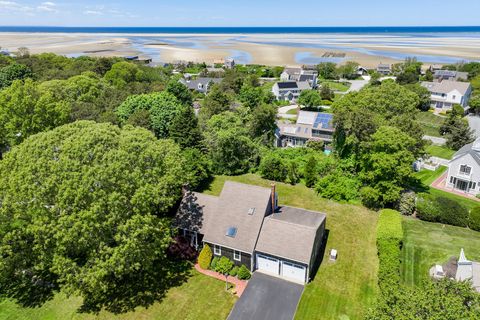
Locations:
(384, 68)
(289, 90)
(464, 169)
(447, 93)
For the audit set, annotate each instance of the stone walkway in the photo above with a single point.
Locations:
(440, 185)
(240, 285)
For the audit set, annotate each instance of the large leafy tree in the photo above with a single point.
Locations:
(84, 209)
(310, 98)
(358, 115)
(180, 91)
(163, 107)
(25, 109)
(230, 147)
(387, 166)
(13, 72)
(217, 101)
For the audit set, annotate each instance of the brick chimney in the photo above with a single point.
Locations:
(272, 196)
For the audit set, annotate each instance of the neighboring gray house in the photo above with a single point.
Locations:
(384, 68)
(246, 225)
(446, 93)
(309, 126)
(441, 75)
(289, 90)
(301, 75)
(468, 270)
(464, 169)
(201, 85)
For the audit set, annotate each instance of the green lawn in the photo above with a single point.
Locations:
(440, 151)
(335, 86)
(430, 123)
(292, 111)
(344, 289)
(426, 244)
(427, 177)
(201, 297)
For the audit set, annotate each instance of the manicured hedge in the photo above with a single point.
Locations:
(441, 209)
(389, 244)
(474, 219)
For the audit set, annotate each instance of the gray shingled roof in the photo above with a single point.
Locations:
(290, 233)
(233, 205)
(469, 149)
(193, 84)
(447, 86)
(195, 211)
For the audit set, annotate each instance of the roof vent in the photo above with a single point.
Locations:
(231, 232)
(251, 211)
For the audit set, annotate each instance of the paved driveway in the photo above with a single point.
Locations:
(267, 298)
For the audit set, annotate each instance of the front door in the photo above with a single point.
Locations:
(462, 185)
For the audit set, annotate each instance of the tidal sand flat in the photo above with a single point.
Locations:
(262, 48)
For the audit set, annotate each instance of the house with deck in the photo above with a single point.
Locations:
(310, 126)
(464, 169)
(444, 94)
(384, 69)
(246, 224)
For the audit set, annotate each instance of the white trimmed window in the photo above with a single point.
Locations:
(217, 250)
(236, 255)
(464, 169)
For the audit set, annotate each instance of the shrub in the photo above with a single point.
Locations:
(213, 264)
(389, 225)
(406, 204)
(389, 242)
(234, 271)
(181, 249)
(317, 145)
(243, 273)
(426, 208)
(443, 210)
(452, 212)
(205, 257)
(338, 186)
(273, 168)
(474, 219)
(224, 265)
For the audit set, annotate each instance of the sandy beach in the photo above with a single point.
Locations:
(268, 49)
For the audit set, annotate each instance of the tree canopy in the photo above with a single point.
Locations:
(84, 209)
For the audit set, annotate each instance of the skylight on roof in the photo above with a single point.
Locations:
(251, 211)
(231, 232)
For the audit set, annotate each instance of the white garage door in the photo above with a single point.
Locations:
(293, 271)
(267, 264)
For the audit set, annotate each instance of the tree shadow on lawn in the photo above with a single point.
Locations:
(139, 290)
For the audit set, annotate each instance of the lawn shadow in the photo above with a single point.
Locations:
(139, 289)
(316, 264)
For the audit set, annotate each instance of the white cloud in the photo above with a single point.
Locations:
(12, 6)
(93, 12)
(48, 6)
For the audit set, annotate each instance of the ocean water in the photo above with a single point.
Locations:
(430, 31)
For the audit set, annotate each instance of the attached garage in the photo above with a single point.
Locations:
(294, 271)
(268, 264)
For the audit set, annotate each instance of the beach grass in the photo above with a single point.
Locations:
(344, 289)
(426, 244)
(430, 123)
(201, 297)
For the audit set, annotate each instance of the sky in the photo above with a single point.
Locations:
(210, 13)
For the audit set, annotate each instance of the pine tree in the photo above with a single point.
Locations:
(311, 172)
(184, 128)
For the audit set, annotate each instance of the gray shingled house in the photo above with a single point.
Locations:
(246, 225)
